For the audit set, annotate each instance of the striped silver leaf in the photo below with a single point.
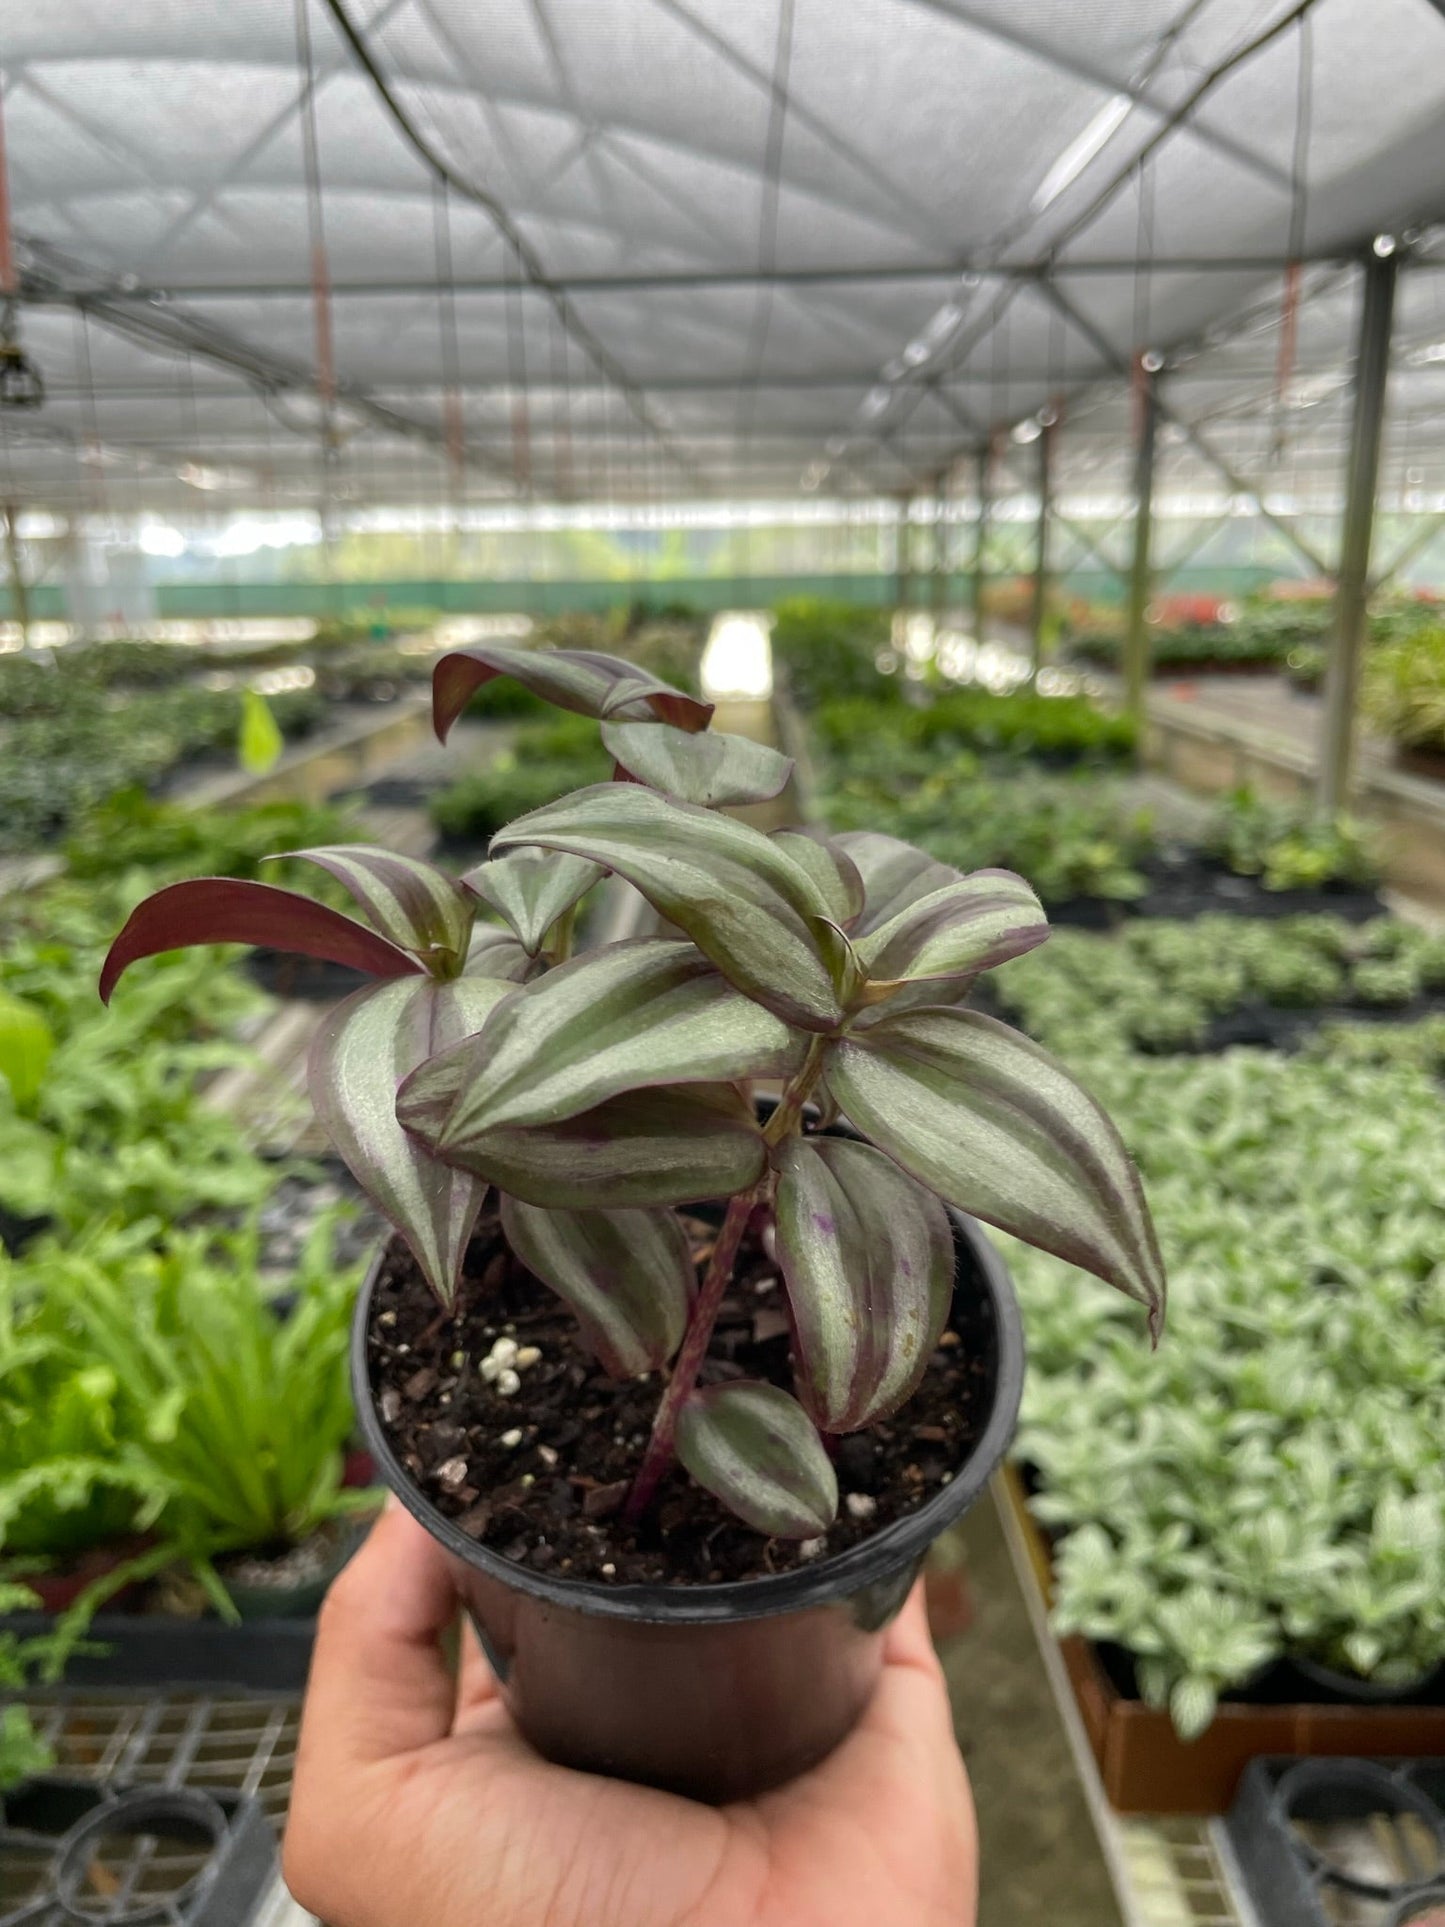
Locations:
(494, 952)
(996, 1126)
(834, 873)
(360, 1054)
(867, 1257)
(646, 1147)
(745, 902)
(582, 680)
(532, 888)
(708, 768)
(893, 873)
(757, 1450)
(650, 1011)
(974, 924)
(413, 903)
(627, 1276)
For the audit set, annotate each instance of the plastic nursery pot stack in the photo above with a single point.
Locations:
(713, 1690)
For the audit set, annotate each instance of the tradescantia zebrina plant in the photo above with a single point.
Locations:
(598, 1092)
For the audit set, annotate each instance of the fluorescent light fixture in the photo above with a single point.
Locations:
(1077, 155)
(159, 538)
(737, 664)
(874, 402)
(931, 338)
(1028, 430)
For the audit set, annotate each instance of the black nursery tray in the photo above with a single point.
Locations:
(132, 1856)
(267, 1656)
(1342, 1842)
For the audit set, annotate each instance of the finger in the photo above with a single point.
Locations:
(379, 1684)
(911, 1701)
(908, 1641)
(477, 1685)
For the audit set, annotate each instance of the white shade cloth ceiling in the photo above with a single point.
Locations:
(794, 228)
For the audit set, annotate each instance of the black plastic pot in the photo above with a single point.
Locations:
(292, 1599)
(211, 1859)
(1329, 1683)
(718, 1692)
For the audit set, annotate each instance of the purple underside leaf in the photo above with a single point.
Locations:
(894, 875)
(644, 1148)
(867, 1257)
(413, 903)
(582, 680)
(627, 1276)
(233, 910)
(996, 1126)
(974, 924)
(757, 1450)
(635, 1014)
(532, 888)
(744, 901)
(360, 1054)
(707, 768)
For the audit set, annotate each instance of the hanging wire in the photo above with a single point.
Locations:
(93, 453)
(1142, 358)
(517, 376)
(325, 348)
(453, 416)
(564, 484)
(1298, 217)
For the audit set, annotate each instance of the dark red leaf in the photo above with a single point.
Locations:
(231, 910)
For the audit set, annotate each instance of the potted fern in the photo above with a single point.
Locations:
(684, 1377)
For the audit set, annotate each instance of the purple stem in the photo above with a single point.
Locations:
(658, 1456)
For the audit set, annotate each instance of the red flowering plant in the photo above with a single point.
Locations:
(597, 1093)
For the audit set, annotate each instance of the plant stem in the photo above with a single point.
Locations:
(558, 942)
(658, 1456)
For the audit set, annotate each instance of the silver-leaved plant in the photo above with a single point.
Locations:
(597, 1093)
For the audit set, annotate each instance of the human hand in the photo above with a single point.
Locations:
(418, 1804)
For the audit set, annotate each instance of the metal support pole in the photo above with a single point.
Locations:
(1372, 374)
(903, 562)
(19, 588)
(980, 539)
(1039, 610)
(1136, 634)
(938, 583)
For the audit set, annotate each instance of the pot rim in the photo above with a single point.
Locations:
(819, 1583)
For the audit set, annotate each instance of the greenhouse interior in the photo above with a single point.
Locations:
(595, 1331)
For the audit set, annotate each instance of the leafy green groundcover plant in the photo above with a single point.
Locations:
(1270, 1482)
(599, 1092)
(40, 1658)
(54, 767)
(1404, 687)
(149, 1384)
(1022, 724)
(102, 1117)
(1157, 985)
(1288, 848)
(1070, 833)
(829, 649)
